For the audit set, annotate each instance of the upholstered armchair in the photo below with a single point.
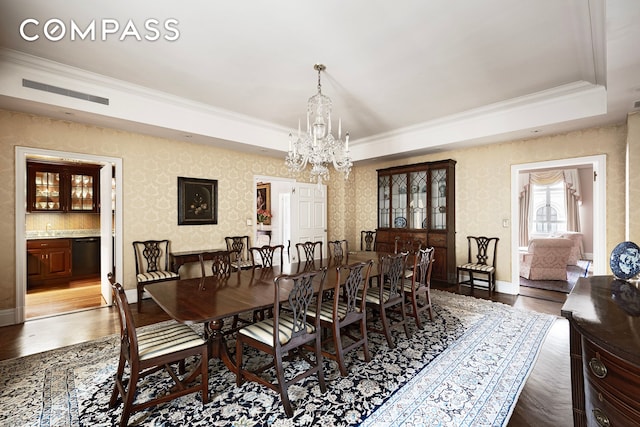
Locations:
(576, 249)
(546, 259)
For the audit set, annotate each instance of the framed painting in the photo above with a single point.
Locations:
(197, 201)
(263, 203)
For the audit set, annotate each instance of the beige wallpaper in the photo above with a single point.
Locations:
(633, 141)
(483, 185)
(151, 166)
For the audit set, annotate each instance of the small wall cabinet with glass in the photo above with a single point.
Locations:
(416, 207)
(62, 188)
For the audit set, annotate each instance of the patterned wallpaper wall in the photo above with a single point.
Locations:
(151, 166)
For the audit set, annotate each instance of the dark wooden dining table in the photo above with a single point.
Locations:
(210, 300)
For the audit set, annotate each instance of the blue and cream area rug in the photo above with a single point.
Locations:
(466, 368)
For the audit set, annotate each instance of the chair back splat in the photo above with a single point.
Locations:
(309, 251)
(339, 250)
(146, 353)
(267, 256)
(368, 240)
(481, 260)
(289, 329)
(152, 264)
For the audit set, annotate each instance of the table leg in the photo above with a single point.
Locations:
(218, 345)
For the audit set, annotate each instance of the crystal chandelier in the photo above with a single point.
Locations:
(318, 146)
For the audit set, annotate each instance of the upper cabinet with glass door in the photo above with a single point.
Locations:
(62, 188)
(415, 197)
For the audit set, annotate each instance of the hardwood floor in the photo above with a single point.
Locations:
(63, 298)
(545, 399)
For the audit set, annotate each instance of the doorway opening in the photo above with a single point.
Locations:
(62, 257)
(593, 173)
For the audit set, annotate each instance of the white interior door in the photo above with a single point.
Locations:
(308, 216)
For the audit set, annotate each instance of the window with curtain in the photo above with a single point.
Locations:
(550, 208)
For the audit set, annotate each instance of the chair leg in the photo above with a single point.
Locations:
(128, 399)
(427, 295)
(319, 364)
(416, 314)
(385, 327)
(337, 343)
(365, 344)
(140, 292)
(118, 380)
(282, 385)
(238, 361)
(404, 319)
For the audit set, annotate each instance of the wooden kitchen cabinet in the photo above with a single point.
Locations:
(416, 206)
(54, 187)
(48, 260)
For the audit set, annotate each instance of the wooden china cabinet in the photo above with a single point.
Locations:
(54, 187)
(416, 206)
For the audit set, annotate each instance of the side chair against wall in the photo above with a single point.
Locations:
(389, 293)
(420, 283)
(368, 240)
(288, 331)
(345, 308)
(239, 246)
(481, 260)
(149, 352)
(152, 264)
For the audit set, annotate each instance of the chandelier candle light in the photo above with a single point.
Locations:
(318, 146)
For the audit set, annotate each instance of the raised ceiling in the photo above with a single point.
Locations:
(406, 77)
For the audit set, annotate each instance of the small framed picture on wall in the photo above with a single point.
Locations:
(197, 201)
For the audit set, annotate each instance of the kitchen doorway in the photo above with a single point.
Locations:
(88, 287)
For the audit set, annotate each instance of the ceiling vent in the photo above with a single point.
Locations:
(65, 92)
(636, 104)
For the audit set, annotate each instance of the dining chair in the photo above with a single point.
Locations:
(309, 251)
(420, 283)
(338, 248)
(344, 309)
(267, 256)
(287, 331)
(368, 240)
(152, 264)
(147, 352)
(481, 260)
(239, 246)
(388, 293)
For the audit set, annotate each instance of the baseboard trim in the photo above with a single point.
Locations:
(8, 317)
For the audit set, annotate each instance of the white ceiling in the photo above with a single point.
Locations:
(406, 77)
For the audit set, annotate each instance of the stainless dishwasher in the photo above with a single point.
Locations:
(85, 256)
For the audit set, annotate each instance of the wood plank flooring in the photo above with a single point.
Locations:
(545, 399)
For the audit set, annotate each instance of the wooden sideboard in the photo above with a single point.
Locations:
(604, 322)
(416, 207)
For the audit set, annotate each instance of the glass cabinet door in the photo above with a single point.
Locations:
(418, 199)
(81, 192)
(438, 199)
(399, 200)
(47, 191)
(383, 201)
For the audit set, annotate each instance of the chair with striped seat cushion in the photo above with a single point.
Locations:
(152, 264)
(288, 330)
(420, 283)
(345, 308)
(389, 293)
(481, 260)
(150, 351)
(239, 248)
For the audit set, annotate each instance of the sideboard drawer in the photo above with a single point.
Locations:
(611, 374)
(605, 410)
(437, 239)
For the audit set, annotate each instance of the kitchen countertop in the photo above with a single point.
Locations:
(61, 234)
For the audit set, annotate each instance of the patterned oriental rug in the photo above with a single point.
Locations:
(467, 368)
